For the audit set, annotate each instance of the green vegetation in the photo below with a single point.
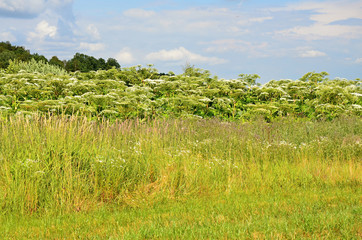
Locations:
(33, 66)
(36, 86)
(132, 153)
(80, 62)
(85, 63)
(328, 214)
(14, 53)
(141, 92)
(70, 177)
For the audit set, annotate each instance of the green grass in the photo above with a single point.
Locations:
(68, 177)
(329, 214)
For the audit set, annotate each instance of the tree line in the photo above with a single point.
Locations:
(79, 62)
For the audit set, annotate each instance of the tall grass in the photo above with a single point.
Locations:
(68, 164)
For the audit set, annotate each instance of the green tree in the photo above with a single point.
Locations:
(10, 52)
(39, 58)
(111, 62)
(55, 61)
(101, 64)
(84, 63)
(5, 56)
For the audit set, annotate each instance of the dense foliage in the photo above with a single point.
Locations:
(145, 93)
(33, 66)
(79, 62)
(9, 52)
(85, 63)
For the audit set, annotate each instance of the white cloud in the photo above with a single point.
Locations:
(192, 20)
(232, 45)
(21, 7)
(59, 3)
(138, 13)
(182, 54)
(93, 31)
(7, 36)
(331, 11)
(323, 15)
(312, 54)
(306, 52)
(125, 56)
(94, 47)
(42, 30)
(358, 60)
(321, 31)
(29, 8)
(260, 19)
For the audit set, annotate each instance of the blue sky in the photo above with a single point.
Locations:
(281, 39)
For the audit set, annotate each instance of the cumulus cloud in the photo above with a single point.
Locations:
(182, 54)
(306, 52)
(125, 56)
(43, 30)
(312, 54)
(93, 47)
(29, 8)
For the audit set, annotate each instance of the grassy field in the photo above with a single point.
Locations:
(68, 177)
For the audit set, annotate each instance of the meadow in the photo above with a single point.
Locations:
(71, 177)
(136, 154)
